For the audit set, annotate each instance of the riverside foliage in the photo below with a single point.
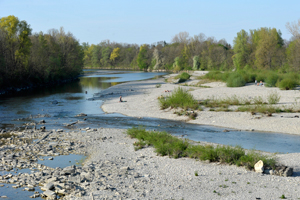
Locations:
(166, 144)
(38, 58)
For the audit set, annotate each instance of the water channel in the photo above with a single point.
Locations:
(72, 99)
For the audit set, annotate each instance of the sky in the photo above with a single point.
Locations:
(150, 21)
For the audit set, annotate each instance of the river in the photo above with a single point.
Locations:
(60, 104)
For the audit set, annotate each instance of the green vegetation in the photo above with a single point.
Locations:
(271, 78)
(287, 84)
(166, 144)
(40, 58)
(183, 77)
(282, 197)
(235, 80)
(273, 98)
(179, 98)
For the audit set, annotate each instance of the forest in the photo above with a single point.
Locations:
(27, 58)
(260, 49)
(41, 58)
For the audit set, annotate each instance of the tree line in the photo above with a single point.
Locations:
(259, 49)
(40, 58)
(27, 58)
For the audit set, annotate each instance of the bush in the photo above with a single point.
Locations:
(183, 77)
(287, 84)
(235, 80)
(271, 79)
(179, 98)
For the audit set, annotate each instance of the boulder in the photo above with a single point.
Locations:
(288, 172)
(259, 167)
(48, 186)
(50, 194)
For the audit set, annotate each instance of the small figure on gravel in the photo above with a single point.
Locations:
(261, 83)
(121, 99)
(255, 82)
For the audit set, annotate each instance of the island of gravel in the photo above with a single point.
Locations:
(114, 170)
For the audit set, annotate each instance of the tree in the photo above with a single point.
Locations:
(268, 47)
(115, 54)
(241, 49)
(142, 59)
(18, 40)
(182, 37)
(294, 29)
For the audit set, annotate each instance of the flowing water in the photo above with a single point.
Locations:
(72, 98)
(58, 105)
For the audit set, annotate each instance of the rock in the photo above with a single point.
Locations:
(43, 128)
(288, 172)
(225, 130)
(259, 167)
(29, 189)
(68, 170)
(48, 186)
(54, 102)
(81, 115)
(50, 194)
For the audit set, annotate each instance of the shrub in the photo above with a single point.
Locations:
(273, 97)
(235, 80)
(287, 84)
(183, 77)
(261, 76)
(179, 98)
(271, 79)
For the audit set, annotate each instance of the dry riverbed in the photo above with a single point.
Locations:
(114, 170)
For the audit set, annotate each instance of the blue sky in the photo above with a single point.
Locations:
(144, 21)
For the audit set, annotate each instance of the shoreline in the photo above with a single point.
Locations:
(141, 101)
(114, 170)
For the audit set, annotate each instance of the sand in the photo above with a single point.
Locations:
(175, 178)
(155, 177)
(142, 101)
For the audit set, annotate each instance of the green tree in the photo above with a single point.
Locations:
(241, 49)
(268, 48)
(142, 58)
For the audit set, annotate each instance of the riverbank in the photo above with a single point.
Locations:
(141, 100)
(114, 170)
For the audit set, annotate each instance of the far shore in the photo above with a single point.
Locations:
(142, 101)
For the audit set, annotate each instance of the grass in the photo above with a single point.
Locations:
(273, 97)
(179, 98)
(166, 144)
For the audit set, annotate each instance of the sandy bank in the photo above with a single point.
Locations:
(142, 101)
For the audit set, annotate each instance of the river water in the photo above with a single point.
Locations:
(72, 99)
